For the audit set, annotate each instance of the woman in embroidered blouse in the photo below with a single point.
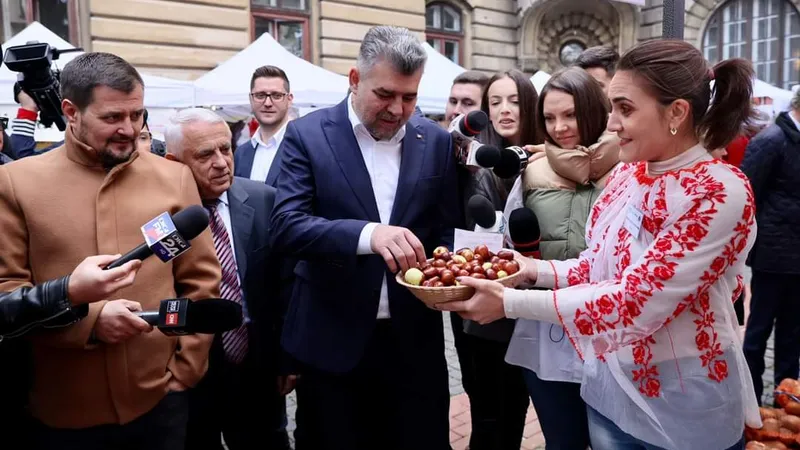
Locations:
(649, 304)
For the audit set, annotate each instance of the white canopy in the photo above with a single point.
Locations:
(539, 79)
(434, 88)
(162, 95)
(228, 86)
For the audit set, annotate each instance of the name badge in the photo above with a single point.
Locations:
(633, 221)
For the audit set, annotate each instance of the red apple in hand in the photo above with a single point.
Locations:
(483, 251)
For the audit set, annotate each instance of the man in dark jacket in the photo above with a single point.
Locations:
(772, 162)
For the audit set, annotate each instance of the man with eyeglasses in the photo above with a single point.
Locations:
(270, 100)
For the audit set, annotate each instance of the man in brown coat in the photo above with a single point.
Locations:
(108, 381)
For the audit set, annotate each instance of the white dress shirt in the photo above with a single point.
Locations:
(265, 153)
(382, 159)
(224, 211)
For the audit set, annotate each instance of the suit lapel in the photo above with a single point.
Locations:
(339, 133)
(249, 154)
(242, 216)
(412, 156)
(274, 169)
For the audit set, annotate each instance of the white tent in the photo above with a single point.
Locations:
(227, 87)
(539, 79)
(434, 88)
(162, 95)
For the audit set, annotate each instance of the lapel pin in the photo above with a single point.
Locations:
(419, 136)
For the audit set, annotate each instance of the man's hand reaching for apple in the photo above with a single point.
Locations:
(399, 247)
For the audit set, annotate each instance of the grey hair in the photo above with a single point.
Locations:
(796, 98)
(173, 132)
(396, 45)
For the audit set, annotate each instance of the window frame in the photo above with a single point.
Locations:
(748, 34)
(442, 35)
(277, 14)
(32, 14)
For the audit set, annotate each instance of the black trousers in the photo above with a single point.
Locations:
(775, 301)
(390, 401)
(239, 404)
(497, 393)
(161, 428)
(561, 412)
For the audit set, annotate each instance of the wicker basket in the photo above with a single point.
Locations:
(433, 295)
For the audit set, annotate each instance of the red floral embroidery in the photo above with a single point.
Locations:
(578, 274)
(647, 375)
(622, 250)
(655, 217)
(611, 192)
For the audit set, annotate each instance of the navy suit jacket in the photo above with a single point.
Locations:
(251, 205)
(243, 163)
(325, 198)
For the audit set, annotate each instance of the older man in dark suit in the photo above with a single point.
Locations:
(242, 363)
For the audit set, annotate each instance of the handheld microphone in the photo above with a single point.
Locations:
(487, 220)
(181, 316)
(481, 155)
(523, 229)
(168, 236)
(513, 161)
(470, 124)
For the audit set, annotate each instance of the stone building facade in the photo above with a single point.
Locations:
(185, 38)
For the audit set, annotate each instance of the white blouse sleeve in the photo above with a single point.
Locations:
(674, 273)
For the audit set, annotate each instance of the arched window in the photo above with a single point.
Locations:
(767, 32)
(444, 30)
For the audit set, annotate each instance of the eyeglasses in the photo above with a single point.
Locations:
(263, 96)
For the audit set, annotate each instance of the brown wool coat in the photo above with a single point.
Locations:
(60, 207)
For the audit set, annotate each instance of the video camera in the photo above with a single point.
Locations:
(33, 62)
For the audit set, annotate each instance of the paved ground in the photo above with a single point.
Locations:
(532, 436)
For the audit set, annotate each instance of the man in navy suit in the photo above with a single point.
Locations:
(242, 374)
(271, 101)
(366, 188)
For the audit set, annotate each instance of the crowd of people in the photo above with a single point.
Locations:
(624, 333)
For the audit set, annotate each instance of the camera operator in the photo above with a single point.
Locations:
(24, 126)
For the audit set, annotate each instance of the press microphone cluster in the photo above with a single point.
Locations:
(167, 236)
(524, 232)
(486, 219)
(470, 152)
(181, 316)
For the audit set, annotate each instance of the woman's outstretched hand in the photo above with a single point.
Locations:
(484, 307)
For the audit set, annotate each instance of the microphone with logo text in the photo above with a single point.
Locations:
(524, 232)
(181, 316)
(487, 220)
(168, 236)
(512, 162)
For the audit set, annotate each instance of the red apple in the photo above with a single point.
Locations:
(495, 259)
(483, 251)
(506, 254)
(438, 284)
(479, 276)
(439, 263)
(511, 267)
(491, 274)
(463, 273)
(478, 258)
(478, 270)
(430, 272)
(439, 251)
(448, 278)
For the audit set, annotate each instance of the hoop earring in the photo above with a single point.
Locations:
(673, 131)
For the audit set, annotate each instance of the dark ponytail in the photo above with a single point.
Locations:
(731, 111)
(675, 69)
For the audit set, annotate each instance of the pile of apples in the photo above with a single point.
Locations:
(445, 266)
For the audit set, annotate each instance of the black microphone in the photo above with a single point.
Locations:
(513, 161)
(165, 240)
(471, 124)
(486, 218)
(181, 316)
(487, 156)
(523, 229)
